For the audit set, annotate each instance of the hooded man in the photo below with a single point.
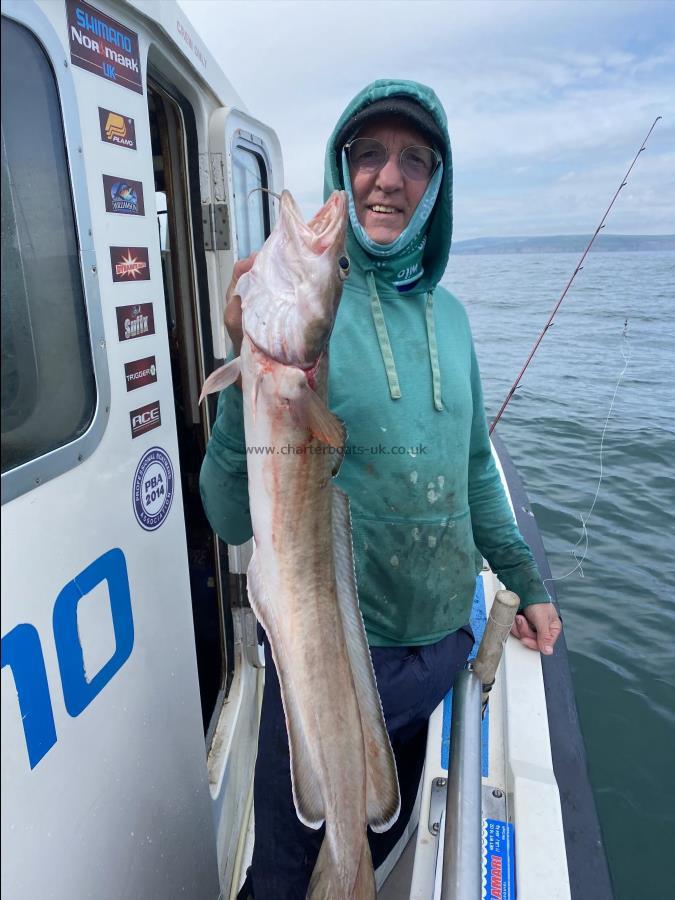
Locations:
(426, 498)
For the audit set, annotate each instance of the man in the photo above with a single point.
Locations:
(424, 491)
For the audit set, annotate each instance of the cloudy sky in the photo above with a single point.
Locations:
(547, 101)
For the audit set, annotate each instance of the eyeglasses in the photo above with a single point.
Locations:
(369, 156)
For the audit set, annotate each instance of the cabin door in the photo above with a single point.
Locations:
(246, 171)
(243, 165)
(105, 788)
(171, 123)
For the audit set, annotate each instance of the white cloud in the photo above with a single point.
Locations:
(533, 90)
(575, 205)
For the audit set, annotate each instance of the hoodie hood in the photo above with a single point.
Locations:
(439, 229)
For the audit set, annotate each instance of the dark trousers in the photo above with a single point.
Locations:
(412, 681)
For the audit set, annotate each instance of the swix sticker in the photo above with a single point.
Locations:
(129, 264)
(117, 129)
(135, 321)
(145, 419)
(103, 46)
(140, 372)
(153, 489)
(123, 195)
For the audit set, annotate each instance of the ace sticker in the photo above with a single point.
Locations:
(145, 419)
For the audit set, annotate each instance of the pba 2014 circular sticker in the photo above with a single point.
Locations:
(153, 488)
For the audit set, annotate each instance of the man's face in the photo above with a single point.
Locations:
(385, 201)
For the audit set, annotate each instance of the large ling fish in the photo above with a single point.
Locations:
(301, 578)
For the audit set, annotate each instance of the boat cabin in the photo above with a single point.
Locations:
(131, 672)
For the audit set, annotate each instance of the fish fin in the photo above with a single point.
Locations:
(221, 378)
(325, 426)
(326, 883)
(382, 793)
(306, 788)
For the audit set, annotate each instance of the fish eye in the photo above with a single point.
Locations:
(344, 264)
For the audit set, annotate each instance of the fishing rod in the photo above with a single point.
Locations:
(569, 284)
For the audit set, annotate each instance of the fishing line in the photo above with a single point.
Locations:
(266, 190)
(584, 533)
(569, 284)
(583, 537)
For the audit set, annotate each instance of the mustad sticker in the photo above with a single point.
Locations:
(145, 419)
(140, 372)
(103, 46)
(123, 196)
(153, 489)
(117, 129)
(135, 321)
(129, 264)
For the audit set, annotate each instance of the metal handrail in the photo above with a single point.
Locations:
(463, 822)
(463, 837)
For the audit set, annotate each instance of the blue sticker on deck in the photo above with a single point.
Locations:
(477, 620)
(498, 862)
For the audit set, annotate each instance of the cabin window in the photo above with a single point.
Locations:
(251, 210)
(48, 384)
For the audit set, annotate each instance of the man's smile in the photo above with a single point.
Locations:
(383, 209)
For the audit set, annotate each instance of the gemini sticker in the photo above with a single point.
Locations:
(129, 264)
(117, 129)
(123, 195)
(153, 489)
(103, 46)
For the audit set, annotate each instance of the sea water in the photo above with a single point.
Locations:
(618, 607)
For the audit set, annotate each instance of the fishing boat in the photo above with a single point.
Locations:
(131, 671)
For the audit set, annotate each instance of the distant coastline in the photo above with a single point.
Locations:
(568, 243)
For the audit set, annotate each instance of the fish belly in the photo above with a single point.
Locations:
(293, 592)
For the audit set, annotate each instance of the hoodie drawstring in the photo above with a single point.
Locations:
(383, 338)
(385, 344)
(433, 352)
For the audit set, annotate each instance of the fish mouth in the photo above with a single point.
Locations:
(325, 230)
(291, 295)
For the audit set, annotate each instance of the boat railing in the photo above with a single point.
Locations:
(463, 838)
(462, 845)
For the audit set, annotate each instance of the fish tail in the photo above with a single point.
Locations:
(364, 887)
(328, 883)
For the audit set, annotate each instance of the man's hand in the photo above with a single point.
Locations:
(538, 627)
(233, 303)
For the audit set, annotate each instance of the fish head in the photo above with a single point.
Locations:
(290, 297)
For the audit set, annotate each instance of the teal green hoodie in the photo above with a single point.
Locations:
(423, 487)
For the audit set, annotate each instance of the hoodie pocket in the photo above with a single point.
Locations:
(415, 577)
